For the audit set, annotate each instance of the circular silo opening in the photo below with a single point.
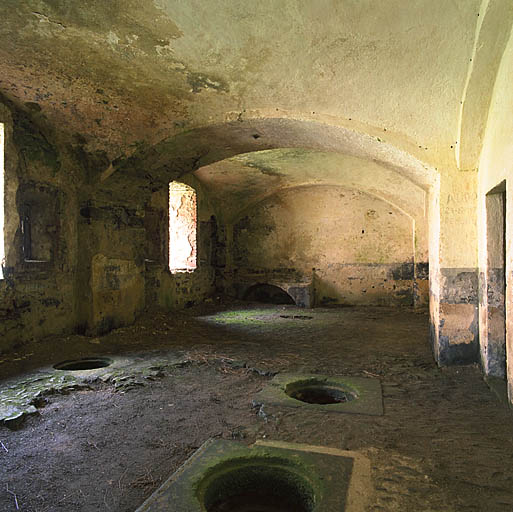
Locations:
(318, 391)
(256, 485)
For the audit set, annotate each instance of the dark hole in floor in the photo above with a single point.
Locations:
(258, 501)
(297, 317)
(259, 488)
(89, 363)
(320, 394)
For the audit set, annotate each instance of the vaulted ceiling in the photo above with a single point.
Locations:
(126, 74)
(243, 181)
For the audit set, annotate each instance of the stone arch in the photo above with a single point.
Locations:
(190, 150)
(267, 292)
(342, 266)
(379, 197)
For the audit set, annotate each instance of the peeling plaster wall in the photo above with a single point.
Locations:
(496, 168)
(457, 275)
(111, 261)
(356, 248)
(37, 298)
(150, 69)
(124, 256)
(97, 256)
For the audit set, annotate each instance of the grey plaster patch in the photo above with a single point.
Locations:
(366, 393)
(462, 354)
(496, 287)
(403, 272)
(323, 473)
(459, 285)
(422, 270)
(448, 353)
(496, 358)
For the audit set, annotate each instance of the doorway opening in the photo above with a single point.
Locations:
(495, 349)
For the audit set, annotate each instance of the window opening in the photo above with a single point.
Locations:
(2, 213)
(39, 222)
(182, 227)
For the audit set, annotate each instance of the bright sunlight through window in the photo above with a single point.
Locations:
(182, 227)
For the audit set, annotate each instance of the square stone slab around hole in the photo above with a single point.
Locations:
(340, 479)
(365, 393)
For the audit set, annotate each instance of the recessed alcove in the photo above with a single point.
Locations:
(40, 222)
(268, 293)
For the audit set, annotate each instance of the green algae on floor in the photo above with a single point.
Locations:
(24, 395)
(274, 318)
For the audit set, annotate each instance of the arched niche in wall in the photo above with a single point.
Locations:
(356, 248)
(211, 243)
(267, 293)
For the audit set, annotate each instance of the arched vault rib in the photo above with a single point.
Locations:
(492, 34)
(257, 200)
(196, 148)
(242, 179)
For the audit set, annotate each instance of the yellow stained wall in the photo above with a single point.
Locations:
(496, 165)
(357, 248)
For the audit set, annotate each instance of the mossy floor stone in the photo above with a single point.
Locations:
(365, 392)
(326, 474)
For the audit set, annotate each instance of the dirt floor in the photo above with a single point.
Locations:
(106, 442)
